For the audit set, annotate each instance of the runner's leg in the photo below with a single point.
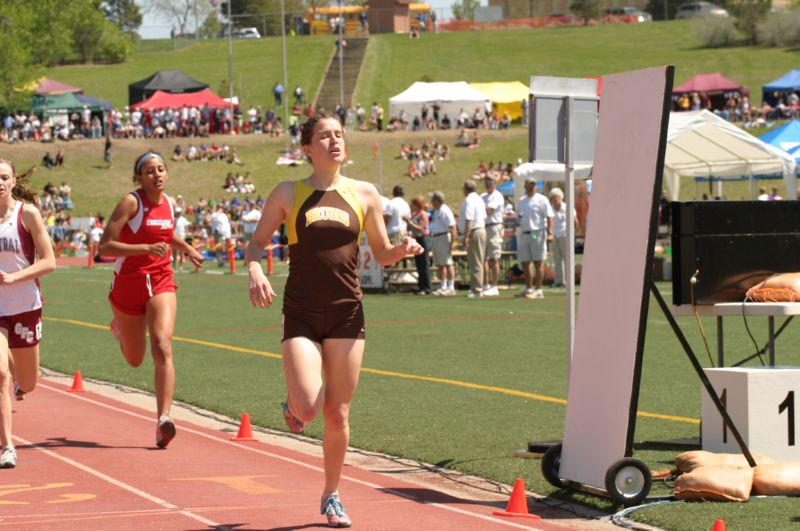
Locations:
(160, 311)
(5, 391)
(302, 368)
(132, 341)
(341, 363)
(25, 367)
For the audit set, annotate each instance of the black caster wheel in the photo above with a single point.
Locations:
(551, 461)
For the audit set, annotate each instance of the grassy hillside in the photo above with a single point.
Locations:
(392, 63)
(395, 61)
(97, 189)
(257, 64)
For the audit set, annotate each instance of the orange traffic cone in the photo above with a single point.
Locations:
(77, 384)
(518, 503)
(270, 260)
(719, 525)
(232, 255)
(245, 430)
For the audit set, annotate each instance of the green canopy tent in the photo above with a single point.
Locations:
(58, 107)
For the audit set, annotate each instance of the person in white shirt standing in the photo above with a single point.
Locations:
(221, 229)
(443, 234)
(559, 244)
(535, 220)
(494, 202)
(472, 225)
(181, 226)
(395, 215)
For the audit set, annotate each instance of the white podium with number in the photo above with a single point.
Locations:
(370, 272)
(761, 402)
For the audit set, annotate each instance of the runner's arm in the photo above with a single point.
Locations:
(46, 262)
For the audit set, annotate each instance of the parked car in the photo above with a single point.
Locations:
(629, 11)
(700, 9)
(246, 33)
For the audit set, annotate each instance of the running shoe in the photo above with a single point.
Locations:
(19, 394)
(295, 424)
(333, 509)
(474, 294)
(8, 459)
(527, 293)
(537, 294)
(165, 431)
(491, 292)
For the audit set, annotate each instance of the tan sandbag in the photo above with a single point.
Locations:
(688, 461)
(784, 287)
(777, 479)
(721, 483)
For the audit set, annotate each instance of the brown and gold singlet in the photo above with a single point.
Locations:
(323, 231)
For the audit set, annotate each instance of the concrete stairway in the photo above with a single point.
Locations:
(329, 93)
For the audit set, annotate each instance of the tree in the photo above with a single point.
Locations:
(88, 26)
(211, 28)
(182, 11)
(251, 13)
(749, 14)
(587, 9)
(124, 14)
(465, 10)
(16, 67)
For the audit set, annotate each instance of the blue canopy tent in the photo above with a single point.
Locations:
(787, 138)
(790, 82)
(94, 102)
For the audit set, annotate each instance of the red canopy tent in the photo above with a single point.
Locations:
(163, 100)
(48, 86)
(715, 85)
(713, 82)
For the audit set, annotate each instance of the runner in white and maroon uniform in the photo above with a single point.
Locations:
(26, 253)
(141, 234)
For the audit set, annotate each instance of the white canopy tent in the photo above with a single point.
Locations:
(451, 97)
(701, 144)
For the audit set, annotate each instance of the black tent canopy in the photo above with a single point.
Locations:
(173, 81)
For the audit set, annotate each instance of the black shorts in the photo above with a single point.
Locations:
(340, 321)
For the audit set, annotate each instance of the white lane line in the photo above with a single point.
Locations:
(295, 462)
(121, 484)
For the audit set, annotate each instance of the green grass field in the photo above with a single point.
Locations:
(455, 382)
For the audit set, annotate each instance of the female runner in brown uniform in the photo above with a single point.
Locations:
(323, 322)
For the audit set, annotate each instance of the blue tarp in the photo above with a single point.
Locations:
(789, 82)
(785, 137)
(90, 101)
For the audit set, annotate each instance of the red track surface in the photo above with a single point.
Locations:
(90, 462)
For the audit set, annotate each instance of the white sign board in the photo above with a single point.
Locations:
(762, 402)
(612, 312)
(370, 272)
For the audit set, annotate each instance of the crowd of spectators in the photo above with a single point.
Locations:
(239, 183)
(202, 153)
(736, 107)
(189, 121)
(497, 171)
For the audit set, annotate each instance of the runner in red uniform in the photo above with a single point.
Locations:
(23, 238)
(140, 234)
(323, 322)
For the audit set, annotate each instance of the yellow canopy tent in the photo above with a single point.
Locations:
(506, 96)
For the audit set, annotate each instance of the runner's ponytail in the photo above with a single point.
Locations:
(21, 190)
